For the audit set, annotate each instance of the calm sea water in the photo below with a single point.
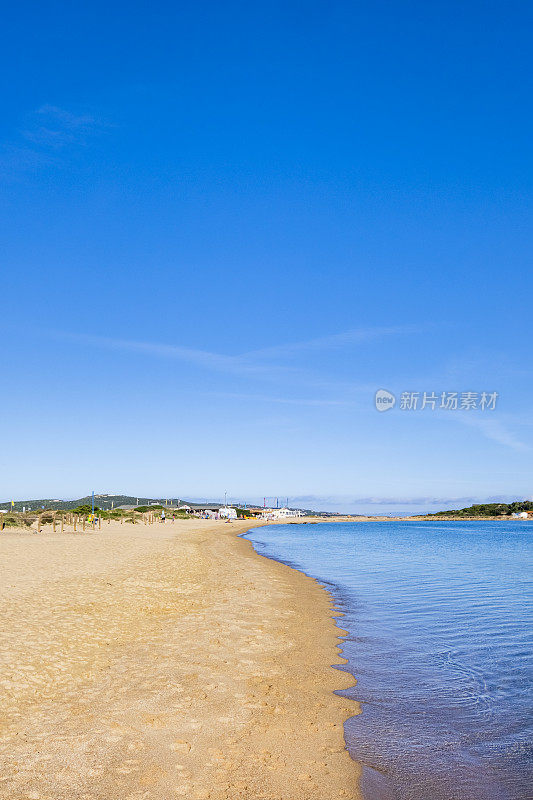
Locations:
(440, 641)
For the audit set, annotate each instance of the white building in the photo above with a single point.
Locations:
(280, 513)
(227, 512)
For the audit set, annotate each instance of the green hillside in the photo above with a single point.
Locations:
(488, 510)
(103, 501)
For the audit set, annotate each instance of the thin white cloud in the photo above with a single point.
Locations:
(56, 127)
(493, 429)
(67, 118)
(50, 133)
(392, 505)
(202, 358)
(344, 393)
(334, 341)
(249, 363)
(295, 401)
(190, 355)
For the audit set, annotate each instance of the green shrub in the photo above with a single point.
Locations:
(15, 521)
(84, 509)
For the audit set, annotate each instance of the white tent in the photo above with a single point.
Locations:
(228, 512)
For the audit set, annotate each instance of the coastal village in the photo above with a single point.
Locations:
(93, 509)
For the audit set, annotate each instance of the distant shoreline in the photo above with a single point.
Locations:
(419, 518)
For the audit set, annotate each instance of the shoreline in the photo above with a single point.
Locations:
(168, 661)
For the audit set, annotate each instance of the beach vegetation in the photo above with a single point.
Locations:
(116, 513)
(16, 521)
(85, 509)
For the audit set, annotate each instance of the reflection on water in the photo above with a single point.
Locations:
(439, 621)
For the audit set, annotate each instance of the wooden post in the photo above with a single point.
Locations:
(54, 523)
(83, 523)
(62, 517)
(74, 517)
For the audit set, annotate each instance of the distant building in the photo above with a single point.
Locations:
(280, 513)
(227, 512)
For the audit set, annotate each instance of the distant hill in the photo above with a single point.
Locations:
(488, 510)
(103, 501)
(108, 501)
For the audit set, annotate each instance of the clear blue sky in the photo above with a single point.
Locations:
(226, 225)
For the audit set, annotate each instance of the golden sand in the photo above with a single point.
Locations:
(166, 661)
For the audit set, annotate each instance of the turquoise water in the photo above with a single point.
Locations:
(440, 632)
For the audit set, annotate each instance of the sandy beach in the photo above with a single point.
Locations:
(166, 660)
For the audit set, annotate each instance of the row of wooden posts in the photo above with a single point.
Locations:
(79, 521)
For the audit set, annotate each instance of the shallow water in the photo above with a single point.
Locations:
(440, 632)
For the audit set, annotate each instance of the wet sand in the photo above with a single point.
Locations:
(164, 661)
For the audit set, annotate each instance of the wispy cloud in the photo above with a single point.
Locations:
(248, 363)
(333, 391)
(56, 127)
(398, 502)
(49, 135)
(334, 341)
(202, 358)
(383, 501)
(494, 429)
(293, 401)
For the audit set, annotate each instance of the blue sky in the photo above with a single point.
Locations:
(225, 226)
